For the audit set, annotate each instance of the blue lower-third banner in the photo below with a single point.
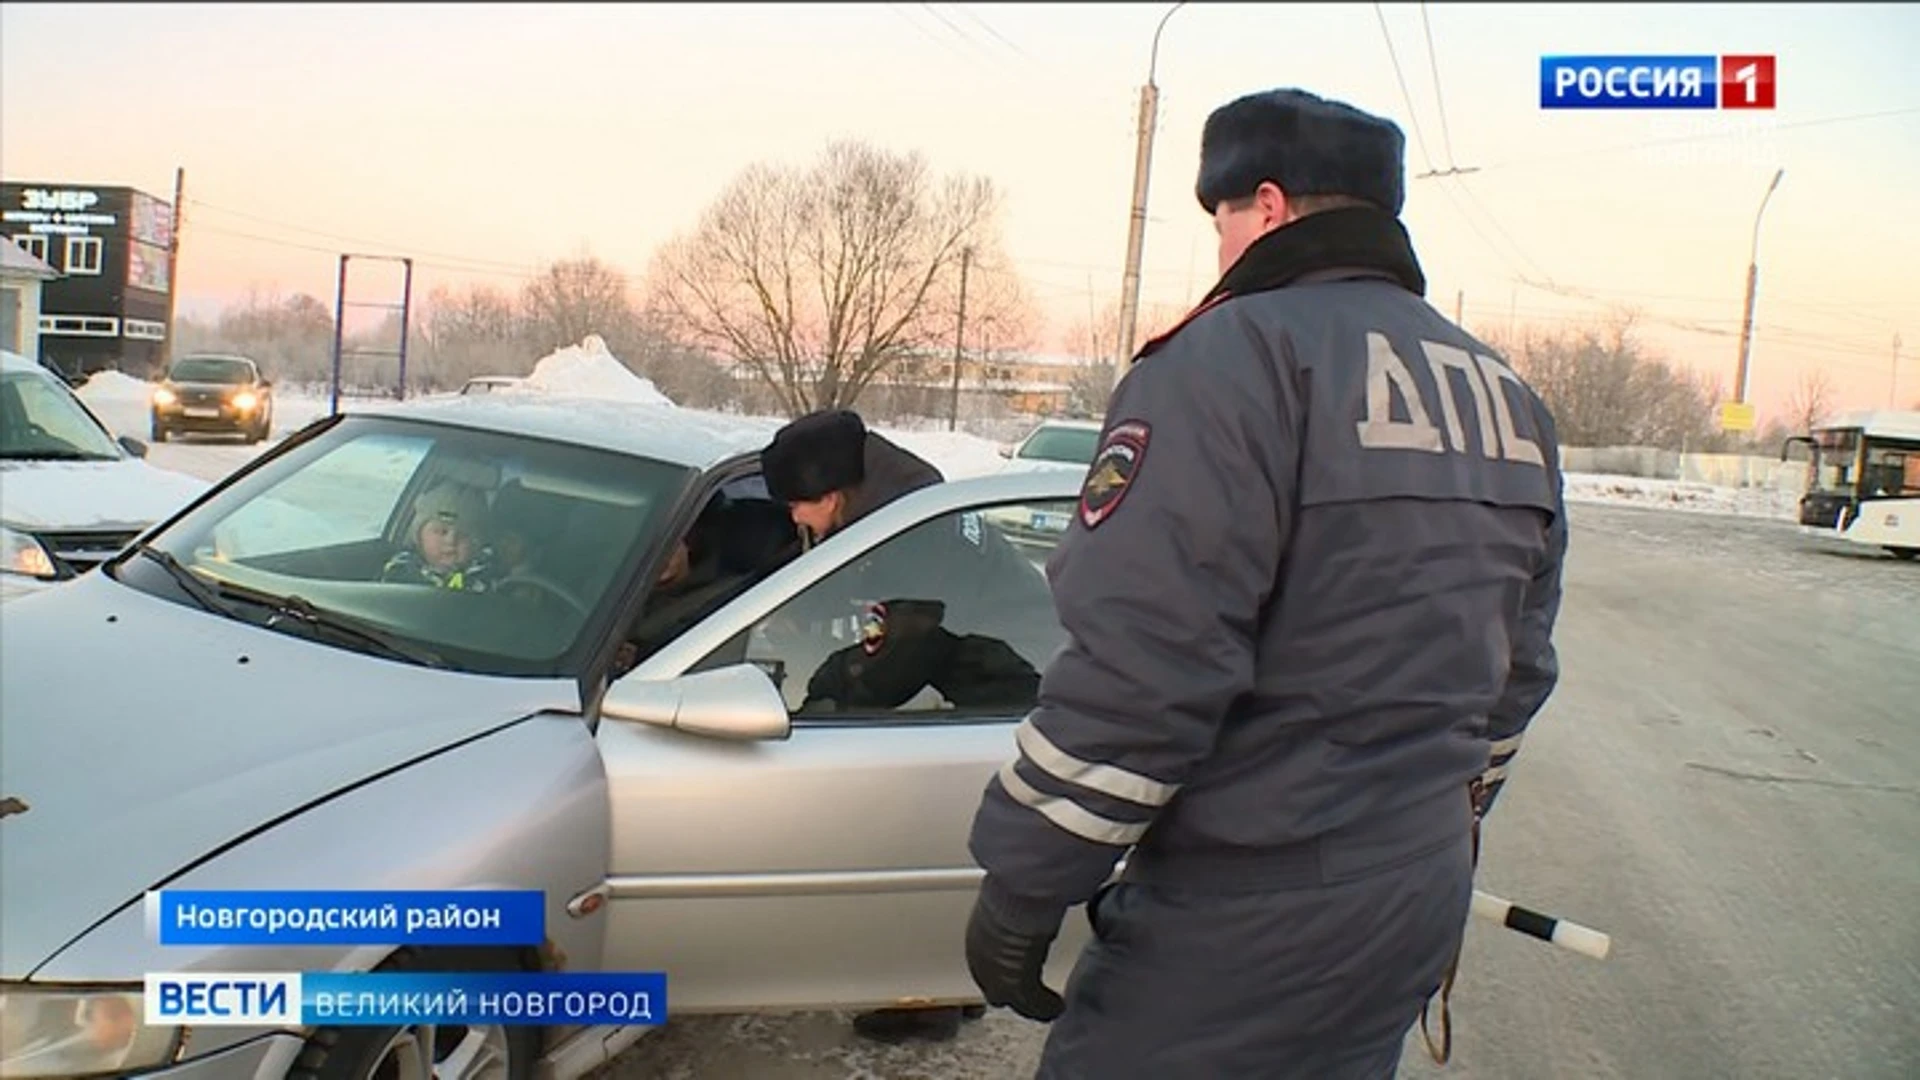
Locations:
(458, 917)
(382, 998)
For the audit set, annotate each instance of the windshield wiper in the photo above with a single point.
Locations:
(190, 582)
(301, 610)
(216, 597)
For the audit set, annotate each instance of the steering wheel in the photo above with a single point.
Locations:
(546, 585)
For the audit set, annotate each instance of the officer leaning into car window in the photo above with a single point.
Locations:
(831, 471)
(1309, 593)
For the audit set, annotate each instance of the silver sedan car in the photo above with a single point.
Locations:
(631, 689)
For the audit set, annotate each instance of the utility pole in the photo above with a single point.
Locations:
(1753, 277)
(1137, 221)
(959, 336)
(173, 268)
(1893, 386)
(1459, 307)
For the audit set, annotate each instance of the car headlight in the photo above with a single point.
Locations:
(57, 1031)
(22, 554)
(245, 400)
(164, 396)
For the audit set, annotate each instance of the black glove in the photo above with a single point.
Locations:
(1006, 965)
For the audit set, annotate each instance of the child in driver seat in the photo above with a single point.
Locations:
(448, 549)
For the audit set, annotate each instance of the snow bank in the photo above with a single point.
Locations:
(1760, 502)
(589, 370)
(955, 453)
(116, 386)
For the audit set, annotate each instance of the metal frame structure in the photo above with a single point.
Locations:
(340, 306)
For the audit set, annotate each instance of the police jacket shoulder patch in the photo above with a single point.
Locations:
(1114, 466)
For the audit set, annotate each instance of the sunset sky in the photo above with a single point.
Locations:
(488, 140)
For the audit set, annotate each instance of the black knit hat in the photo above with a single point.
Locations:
(819, 453)
(1306, 145)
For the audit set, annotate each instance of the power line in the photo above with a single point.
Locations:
(1433, 64)
(1679, 140)
(1413, 116)
(523, 275)
(357, 241)
(984, 25)
(971, 42)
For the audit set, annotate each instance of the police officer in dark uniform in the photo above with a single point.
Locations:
(832, 471)
(1309, 594)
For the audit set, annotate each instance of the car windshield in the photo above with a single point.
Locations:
(1074, 445)
(211, 369)
(483, 552)
(40, 420)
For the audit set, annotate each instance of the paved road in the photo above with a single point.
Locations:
(1728, 782)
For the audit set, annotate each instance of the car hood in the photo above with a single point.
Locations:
(74, 496)
(141, 735)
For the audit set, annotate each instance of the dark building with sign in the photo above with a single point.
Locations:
(110, 246)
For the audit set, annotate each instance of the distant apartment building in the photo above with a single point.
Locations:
(109, 246)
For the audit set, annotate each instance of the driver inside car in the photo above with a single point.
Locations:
(448, 543)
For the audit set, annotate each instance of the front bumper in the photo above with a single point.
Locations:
(198, 417)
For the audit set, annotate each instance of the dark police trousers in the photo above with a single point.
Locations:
(1310, 962)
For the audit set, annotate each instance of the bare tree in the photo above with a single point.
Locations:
(817, 279)
(1096, 339)
(572, 299)
(1812, 400)
(1606, 389)
(290, 337)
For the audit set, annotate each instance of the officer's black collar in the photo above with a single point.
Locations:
(1350, 238)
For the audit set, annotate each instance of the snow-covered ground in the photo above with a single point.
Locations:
(1756, 502)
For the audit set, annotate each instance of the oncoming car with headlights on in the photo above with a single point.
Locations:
(213, 395)
(733, 806)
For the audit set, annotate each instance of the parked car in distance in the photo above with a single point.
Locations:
(213, 394)
(281, 717)
(487, 384)
(71, 495)
(1053, 444)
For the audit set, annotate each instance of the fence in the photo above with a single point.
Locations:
(1719, 470)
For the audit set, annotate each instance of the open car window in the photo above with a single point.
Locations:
(949, 619)
(490, 553)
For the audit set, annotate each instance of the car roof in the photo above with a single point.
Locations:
(1074, 425)
(236, 357)
(687, 437)
(13, 361)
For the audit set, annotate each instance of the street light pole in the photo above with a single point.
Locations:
(1137, 223)
(1753, 277)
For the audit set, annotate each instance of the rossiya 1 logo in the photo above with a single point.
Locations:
(1744, 81)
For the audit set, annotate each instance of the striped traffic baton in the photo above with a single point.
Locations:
(1568, 935)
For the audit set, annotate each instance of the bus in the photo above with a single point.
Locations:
(1864, 486)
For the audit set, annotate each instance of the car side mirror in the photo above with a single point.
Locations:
(133, 446)
(738, 702)
(1006, 451)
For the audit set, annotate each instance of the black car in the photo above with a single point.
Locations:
(213, 395)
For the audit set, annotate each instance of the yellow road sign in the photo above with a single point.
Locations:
(1736, 416)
